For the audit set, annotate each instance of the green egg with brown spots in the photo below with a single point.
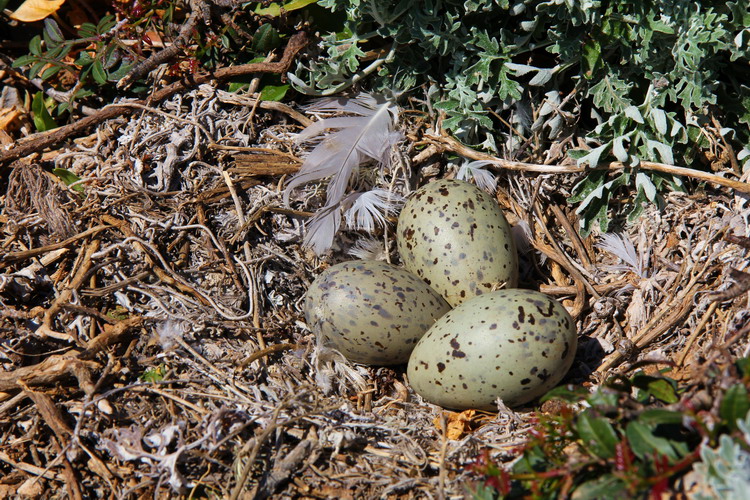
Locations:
(455, 237)
(372, 312)
(510, 344)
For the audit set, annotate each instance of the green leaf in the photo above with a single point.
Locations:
(743, 365)
(591, 59)
(597, 435)
(587, 185)
(734, 405)
(237, 86)
(106, 24)
(111, 57)
(604, 399)
(665, 151)
(119, 73)
(645, 444)
(659, 416)
(660, 120)
(155, 374)
(84, 59)
(42, 119)
(592, 156)
(87, 30)
(23, 61)
(100, 76)
(265, 39)
(606, 486)
(533, 460)
(273, 92)
(36, 68)
(643, 183)
(68, 178)
(50, 72)
(274, 10)
(661, 388)
(35, 46)
(577, 154)
(619, 150)
(569, 393)
(611, 94)
(53, 30)
(634, 114)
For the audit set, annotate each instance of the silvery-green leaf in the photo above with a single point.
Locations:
(665, 151)
(596, 193)
(555, 125)
(520, 69)
(738, 39)
(596, 116)
(660, 120)
(300, 85)
(727, 132)
(618, 149)
(489, 143)
(538, 124)
(592, 158)
(543, 76)
(677, 127)
(551, 102)
(642, 181)
(634, 114)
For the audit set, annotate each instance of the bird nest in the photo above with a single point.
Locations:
(153, 341)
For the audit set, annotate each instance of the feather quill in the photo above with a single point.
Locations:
(354, 140)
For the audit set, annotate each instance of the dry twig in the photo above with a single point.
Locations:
(40, 141)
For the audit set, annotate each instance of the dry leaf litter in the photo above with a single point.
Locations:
(152, 340)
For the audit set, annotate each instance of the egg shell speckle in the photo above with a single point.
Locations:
(455, 237)
(370, 311)
(510, 344)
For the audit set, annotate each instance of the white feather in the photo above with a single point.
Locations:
(339, 155)
(371, 208)
(484, 179)
(322, 228)
(620, 246)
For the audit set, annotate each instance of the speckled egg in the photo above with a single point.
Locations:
(370, 311)
(510, 344)
(455, 237)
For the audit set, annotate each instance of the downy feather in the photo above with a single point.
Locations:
(371, 208)
(484, 179)
(620, 246)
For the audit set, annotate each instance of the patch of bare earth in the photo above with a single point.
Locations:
(152, 337)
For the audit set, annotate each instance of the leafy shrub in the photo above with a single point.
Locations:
(632, 437)
(650, 74)
(101, 54)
